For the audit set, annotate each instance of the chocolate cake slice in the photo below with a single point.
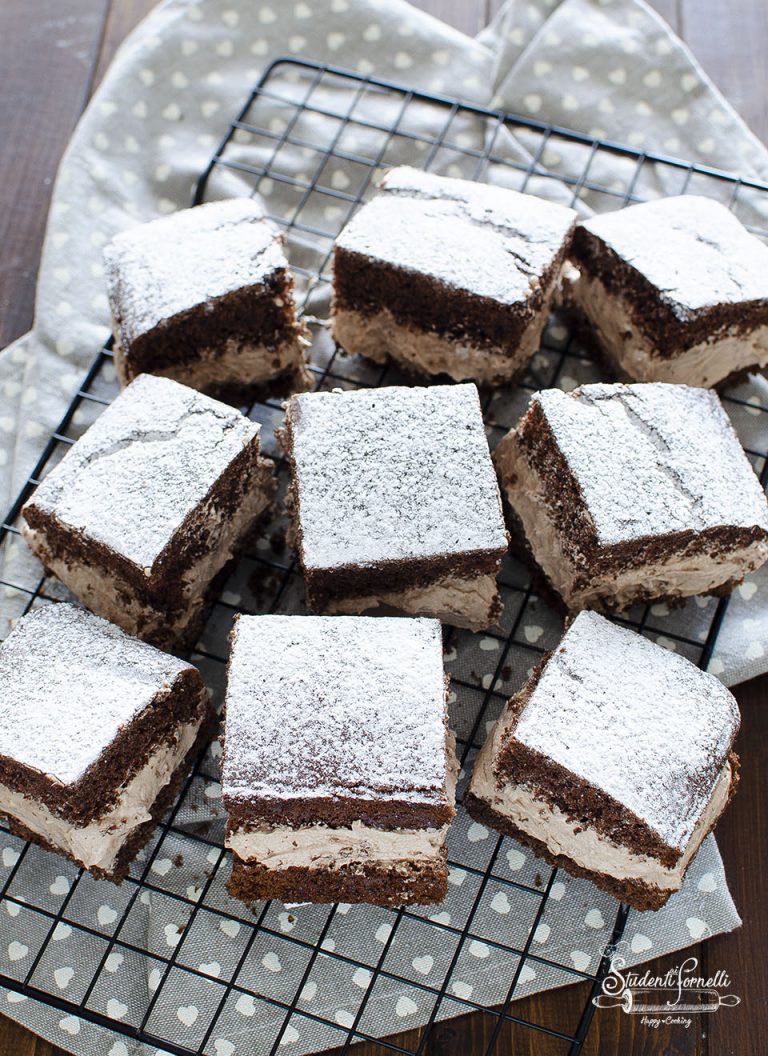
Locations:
(630, 493)
(613, 762)
(675, 290)
(395, 503)
(448, 276)
(338, 770)
(205, 296)
(144, 512)
(97, 731)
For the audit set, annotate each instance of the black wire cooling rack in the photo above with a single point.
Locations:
(311, 139)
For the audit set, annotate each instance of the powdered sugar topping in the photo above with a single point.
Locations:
(69, 681)
(692, 248)
(336, 706)
(168, 266)
(487, 240)
(393, 473)
(643, 724)
(143, 466)
(654, 458)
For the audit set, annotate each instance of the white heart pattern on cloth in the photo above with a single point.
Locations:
(60, 886)
(63, 977)
(188, 1015)
(245, 1005)
(106, 915)
(423, 964)
(697, 928)
(10, 857)
(500, 903)
(640, 943)
(405, 1007)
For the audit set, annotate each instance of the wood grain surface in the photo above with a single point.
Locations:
(52, 55)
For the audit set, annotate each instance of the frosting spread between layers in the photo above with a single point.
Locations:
(471, 602)
(98, 843)
(321, 846)
(635, 355)
(640, 723)
(377, 335)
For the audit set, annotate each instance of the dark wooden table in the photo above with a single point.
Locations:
(52, 56)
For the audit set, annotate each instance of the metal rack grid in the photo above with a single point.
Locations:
(259, 152)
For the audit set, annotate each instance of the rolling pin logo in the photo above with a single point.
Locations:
(681, 992)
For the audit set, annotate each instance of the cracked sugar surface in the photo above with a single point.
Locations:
(162, 269)
(391, 474)
(70, 682)
(661, 239)
(490, 241)
(144, 466)
(637, 721)
(652, 459)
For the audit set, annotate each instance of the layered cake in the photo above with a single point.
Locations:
(145, 511)
(448, 276)
(613, 762)
(97, 731)
(628, 493)
(673, 290)
(338, 770)
(394, 502)
(205, 296)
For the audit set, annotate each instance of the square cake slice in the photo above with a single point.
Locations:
(394, 502)
(205, 296)
(613, 762)
(448, 276)
(675, 290)
(145, 511)
(338, 770)
(97, 731)
(629, 493)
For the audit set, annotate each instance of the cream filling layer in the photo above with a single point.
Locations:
(235, 361)
(98, 843)
(323, 846)
(109, 595)
(240, 363)
(378, 336)
(586, 847)
(470, 603)
(320, 846)
(706, 363)
(676, 576)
